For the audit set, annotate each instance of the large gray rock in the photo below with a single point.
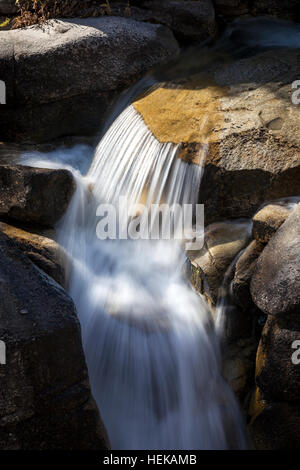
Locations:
(45, 400)
(277, 375)
(41, 250)
(277, 427)
(68, 58)
(223, 241)
(274, 408)
(74, 60)
(275, 284)
(188, 19)
(268, 220)
(34, 195)
(275, 288)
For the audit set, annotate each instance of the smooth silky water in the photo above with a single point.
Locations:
(151, 350)
(150, 343)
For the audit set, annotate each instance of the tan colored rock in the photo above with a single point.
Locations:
(275, 284)
(216, 105)
(243, 273)
(268, 220)
(223, 241)
(256, 405)
(42, 251)
(241, 111)
(189, 112)
(235, 374)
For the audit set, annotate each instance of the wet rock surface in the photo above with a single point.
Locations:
(257, 346)
(239, 122)
(45, 400)
(239, 367)
(277, 374)
(35, 195)
(44, 252)
(277, 427)
(275, 285)
(223, 241)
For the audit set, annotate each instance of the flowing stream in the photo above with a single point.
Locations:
(150, 343)
(152, 353)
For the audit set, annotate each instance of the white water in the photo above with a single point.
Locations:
(151, 350)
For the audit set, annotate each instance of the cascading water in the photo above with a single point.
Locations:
(151, 350)
(150, 343)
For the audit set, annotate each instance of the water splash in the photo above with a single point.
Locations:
(152, 353)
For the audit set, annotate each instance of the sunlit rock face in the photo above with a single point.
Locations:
(62, 78)
(189, 113)
(241, 113)
(223, 242)
(44, 252)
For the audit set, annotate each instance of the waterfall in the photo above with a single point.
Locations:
(149, 340)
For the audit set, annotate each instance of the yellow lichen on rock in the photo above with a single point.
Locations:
(188, 112)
